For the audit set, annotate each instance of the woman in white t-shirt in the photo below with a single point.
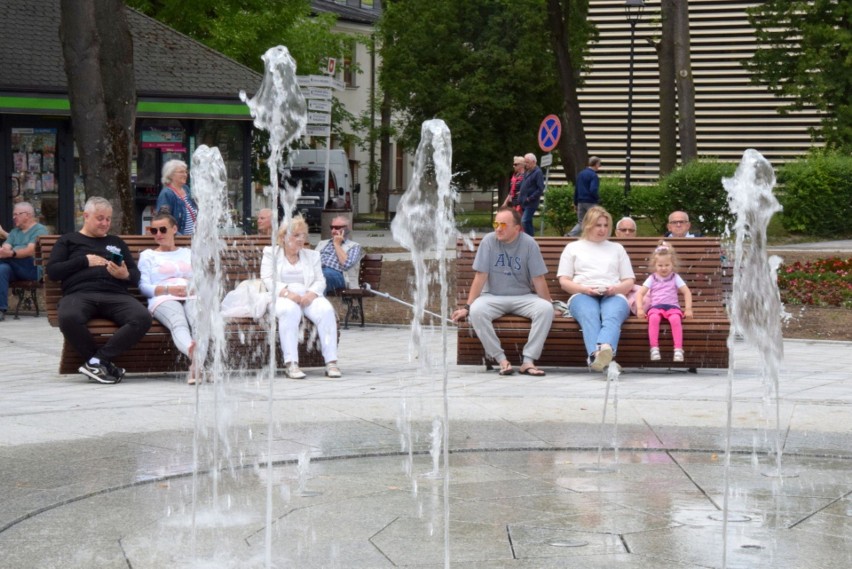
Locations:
(293, 273)
(166, 273)
(598, 275)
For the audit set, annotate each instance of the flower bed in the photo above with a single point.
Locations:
(823, 282)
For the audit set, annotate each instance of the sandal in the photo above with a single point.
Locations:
(533, 371)
(506, 368)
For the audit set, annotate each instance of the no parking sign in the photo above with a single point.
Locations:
(549, 133)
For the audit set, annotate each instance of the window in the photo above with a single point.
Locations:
(350, 68)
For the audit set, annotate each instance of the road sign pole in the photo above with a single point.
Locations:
(544, 201)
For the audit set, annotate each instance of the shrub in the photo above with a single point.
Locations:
(696, 188)
(612, 197)
(817, 191)
(824, 282)
(559, 211)
(650, 202)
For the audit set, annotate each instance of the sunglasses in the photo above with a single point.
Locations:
(162, 229)
(625, 230)
(337, 227)
(678, 222)
(499, 225)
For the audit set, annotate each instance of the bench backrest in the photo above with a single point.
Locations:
(240, 261)
(371, 271)
(702, 267)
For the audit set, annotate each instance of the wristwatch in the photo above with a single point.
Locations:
(466, 307)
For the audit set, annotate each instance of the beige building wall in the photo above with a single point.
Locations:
(732, 114)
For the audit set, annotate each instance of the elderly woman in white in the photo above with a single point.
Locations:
(298, 289)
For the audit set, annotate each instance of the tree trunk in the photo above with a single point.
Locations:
(98, 52)
(668, 94)
(573, 147)
(685, 85)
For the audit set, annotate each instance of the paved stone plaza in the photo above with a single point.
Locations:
(100, 476)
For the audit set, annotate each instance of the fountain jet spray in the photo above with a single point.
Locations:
(424, 222)
(755, 308)
(279, 108)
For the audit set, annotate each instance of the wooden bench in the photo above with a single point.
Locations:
(705, 335)
(369, 278)
(247, 339)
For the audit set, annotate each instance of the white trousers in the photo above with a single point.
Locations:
(179, 318)
(320, 312)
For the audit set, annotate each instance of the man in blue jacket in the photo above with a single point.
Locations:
(586, 193)
(532, 189)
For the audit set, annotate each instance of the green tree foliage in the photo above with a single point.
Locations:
(244, 29)
(485, 67)
(817, 191)
(806, 54)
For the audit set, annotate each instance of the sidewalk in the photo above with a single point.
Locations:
(103, 465)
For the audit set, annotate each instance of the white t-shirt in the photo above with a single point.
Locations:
(595, 264)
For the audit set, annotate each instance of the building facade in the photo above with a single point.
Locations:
(187, 95)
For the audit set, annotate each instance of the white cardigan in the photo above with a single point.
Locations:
(311, 269)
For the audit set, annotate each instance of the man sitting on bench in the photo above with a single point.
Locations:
(338, 255)
(96, 270)
(16, 254)
(510, 279)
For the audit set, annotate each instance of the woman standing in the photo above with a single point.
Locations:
(299, 286)
(166, 274)
(515, 184)
(175, 198)
(598, 275)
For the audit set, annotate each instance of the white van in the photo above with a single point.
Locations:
(308, 167)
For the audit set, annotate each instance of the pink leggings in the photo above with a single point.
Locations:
(674, 316)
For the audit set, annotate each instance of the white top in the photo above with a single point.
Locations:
(164, 268)
(595, 264)
(312, 277)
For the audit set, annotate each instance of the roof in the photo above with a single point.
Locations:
(166, 62)
(348, 13)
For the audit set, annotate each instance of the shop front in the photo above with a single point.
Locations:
(39, 163)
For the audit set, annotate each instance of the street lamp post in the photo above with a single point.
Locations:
(633, 10)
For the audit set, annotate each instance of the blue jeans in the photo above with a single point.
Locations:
(600, 319)
(14, 270)
(527, 219)
(333, 280)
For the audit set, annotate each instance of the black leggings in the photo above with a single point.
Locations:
(75, 311)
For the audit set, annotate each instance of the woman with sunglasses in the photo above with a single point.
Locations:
(515, 184)
(166, 275)
(296, 272)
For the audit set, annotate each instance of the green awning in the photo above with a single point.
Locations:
(195, 109)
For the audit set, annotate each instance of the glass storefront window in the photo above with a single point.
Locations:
(228, 137)
(34, 177)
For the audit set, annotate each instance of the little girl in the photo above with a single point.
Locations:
(663, 286)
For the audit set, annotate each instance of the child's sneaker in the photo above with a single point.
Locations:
(655, 354)
(678, 355)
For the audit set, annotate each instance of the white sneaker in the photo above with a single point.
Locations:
(602, 358)
(332, 371)
(678, 355)
(292, 371)
(655, 354)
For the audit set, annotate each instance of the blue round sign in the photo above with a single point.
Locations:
(549, 133)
